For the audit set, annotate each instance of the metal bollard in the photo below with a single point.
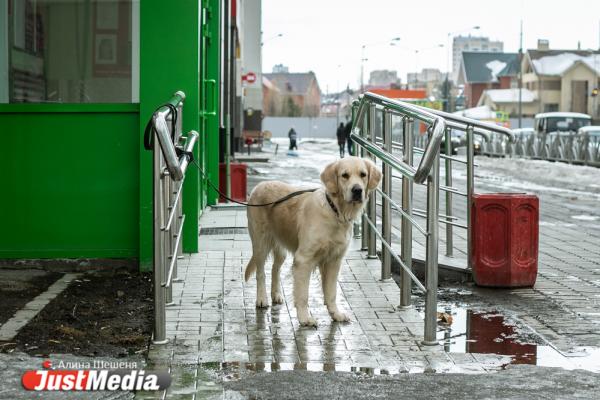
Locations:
(470, 187)
(160, 329)
(448, 164)
(386, 211)
(372, 205)
(431, 261)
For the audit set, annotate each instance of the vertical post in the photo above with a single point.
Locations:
(160, 329)
(356, 227)
(448, 164)
(364, 228)
(431, 261)
(167, 237)
(372, 205)
(470, 187)
(406, 235)
(227, 155)
(386, 212)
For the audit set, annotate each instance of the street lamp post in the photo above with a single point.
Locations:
(271, 38)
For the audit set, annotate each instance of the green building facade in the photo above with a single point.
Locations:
(78, 83)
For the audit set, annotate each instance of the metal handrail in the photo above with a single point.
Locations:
(363, 134)
(462, 123)
(437, 127)
(172, 154)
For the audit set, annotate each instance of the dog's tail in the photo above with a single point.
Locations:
(250, 269)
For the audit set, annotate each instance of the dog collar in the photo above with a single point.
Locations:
(333, 207)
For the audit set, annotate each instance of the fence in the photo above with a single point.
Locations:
(172, 153)
(581, 147)
(372, 132)
(316, 128)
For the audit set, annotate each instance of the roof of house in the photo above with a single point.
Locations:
(509, 95)
(268, 84)
(483, 67)
(401, 93)
(558, 62)
(295, 82)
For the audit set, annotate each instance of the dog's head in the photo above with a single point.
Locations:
(351, 178)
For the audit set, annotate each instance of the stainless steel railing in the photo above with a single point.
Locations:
(171, 157)
(375, 114)
(364, 135)
(471, 128)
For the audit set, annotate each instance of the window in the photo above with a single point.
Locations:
(550, 107)
(70, 51)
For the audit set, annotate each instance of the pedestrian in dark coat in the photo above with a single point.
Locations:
(347, 130)
(341, 138)
(293, 136)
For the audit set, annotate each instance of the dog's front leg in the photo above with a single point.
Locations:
(301, 271)
(329, 283)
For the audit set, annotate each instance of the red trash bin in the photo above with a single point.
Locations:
(238, 181)
(505, 230)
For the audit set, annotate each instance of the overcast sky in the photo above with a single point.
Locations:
(326, 36)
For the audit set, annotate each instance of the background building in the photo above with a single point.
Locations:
(481, 71)
(297, 94)
(383, 78)
(562, 80)
(251, 68)
(472, 44)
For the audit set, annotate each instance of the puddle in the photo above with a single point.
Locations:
(231, 371)
(474, 331)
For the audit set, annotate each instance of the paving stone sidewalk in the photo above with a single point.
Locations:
(214, 319)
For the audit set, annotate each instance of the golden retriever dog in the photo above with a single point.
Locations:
(315, 227)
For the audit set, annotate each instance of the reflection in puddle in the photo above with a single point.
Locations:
(491, 333)
(235, 370)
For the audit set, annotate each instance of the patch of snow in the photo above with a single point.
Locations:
(585, 217)
(510, 95)
(495, 67)
(482, 112)
(559, 63)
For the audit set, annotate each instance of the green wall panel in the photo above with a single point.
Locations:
(70, 183)
(211, 93)
(169, 61)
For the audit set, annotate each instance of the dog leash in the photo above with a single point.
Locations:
(273, 203)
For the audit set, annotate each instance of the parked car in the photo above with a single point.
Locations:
(457, 138)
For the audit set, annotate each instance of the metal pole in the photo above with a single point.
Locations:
(470, 187)
(167, 236)
(386, 211)
(448, 164)
(406, 236)
(227, 155)
(372, 205)
(431, 261)
(160, 328)
(357, 226)
(364, 225)
(177, 223)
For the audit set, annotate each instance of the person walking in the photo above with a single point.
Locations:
(341, 138)
(293, 136)
(347, 130)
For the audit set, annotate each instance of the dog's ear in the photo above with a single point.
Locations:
(374, 175)
(329, 178)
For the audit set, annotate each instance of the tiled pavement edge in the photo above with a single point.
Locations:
(10, 328)
(214, 318)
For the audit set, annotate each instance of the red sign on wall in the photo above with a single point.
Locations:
(250, 77)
